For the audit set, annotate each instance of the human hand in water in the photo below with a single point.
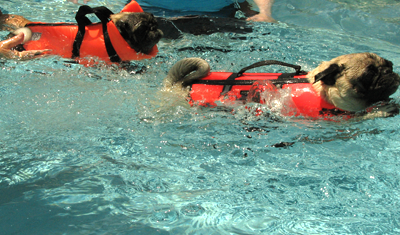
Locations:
(7, 51)
(77, 1)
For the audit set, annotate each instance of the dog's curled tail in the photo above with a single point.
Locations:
(186, 71)
(27, 33)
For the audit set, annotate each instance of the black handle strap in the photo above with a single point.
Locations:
(231, 79)
(230, 82)
(271, 62)
(103, 13)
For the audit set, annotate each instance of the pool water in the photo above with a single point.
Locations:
(105, 151)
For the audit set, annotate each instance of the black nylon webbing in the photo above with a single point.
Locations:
(228, 87)
(103, 14)
(49, 24)
(231, 82)
(270, 62)
(284, 78)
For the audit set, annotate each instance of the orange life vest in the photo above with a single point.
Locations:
(60, 38)
(227, 87)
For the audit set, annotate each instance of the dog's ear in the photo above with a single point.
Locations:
(329, 75)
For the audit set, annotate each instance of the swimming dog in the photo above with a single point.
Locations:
(129, 35)
(350, 83)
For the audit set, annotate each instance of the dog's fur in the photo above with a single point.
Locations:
(350, 82)
(138, 29)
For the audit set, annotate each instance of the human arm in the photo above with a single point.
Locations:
(12, 22)
(265, 14)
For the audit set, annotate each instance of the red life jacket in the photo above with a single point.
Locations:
(60, 39)
(227, 87)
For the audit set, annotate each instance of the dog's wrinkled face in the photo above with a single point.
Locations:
(138, 29)
(355, 81)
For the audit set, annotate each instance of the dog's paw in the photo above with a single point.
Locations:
(389, 110)
(382, 110)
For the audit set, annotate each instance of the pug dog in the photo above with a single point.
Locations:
(139, 29)
(352, 82)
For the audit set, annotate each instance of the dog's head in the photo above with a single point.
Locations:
(140, 30)
(354, 82)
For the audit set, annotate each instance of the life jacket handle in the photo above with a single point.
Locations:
(103, 13)
(284, 78)
(271, 62)
(277, 82)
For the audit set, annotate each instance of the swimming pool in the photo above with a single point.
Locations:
(100, 151)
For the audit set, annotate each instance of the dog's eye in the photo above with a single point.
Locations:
(387, 70)
(367, 77)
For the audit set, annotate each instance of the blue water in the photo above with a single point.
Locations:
(105, 151)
